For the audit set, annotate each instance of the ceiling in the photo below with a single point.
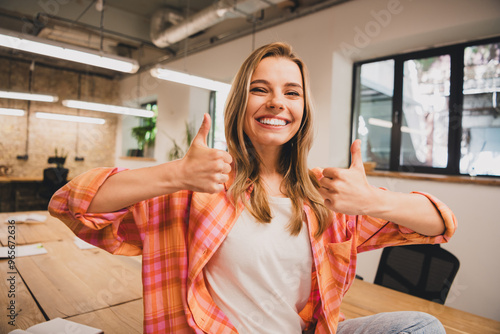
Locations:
(124, 27)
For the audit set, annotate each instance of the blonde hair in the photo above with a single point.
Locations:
(299, 183)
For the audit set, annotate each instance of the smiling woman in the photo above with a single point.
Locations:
(251, 240)
(272, 159)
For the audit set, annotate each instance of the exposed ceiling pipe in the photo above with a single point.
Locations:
(208, 17)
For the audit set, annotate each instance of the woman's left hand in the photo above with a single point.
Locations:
(347, 190)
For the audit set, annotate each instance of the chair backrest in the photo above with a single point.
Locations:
(425, 271)
(53, 179)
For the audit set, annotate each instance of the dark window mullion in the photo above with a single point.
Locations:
(356, 87)
(212, 100)
(397, 114)
(455, 107)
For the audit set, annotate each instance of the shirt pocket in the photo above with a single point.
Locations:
(339, 256)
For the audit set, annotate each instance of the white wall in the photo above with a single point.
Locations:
(321, 40)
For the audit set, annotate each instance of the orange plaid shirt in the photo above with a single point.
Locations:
(178, 233)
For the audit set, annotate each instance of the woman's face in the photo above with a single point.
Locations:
(275, 103)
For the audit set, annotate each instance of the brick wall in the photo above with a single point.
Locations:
(95, 143)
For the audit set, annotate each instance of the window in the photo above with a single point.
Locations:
(434, 111)
(219, 137)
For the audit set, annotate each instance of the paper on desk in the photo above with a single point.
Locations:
(27, 218)
(82, 244)
(58, 325)
(24, 250)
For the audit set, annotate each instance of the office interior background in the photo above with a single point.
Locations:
(331, 36)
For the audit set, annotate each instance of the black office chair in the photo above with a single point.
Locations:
(53, 179)
(425, 271)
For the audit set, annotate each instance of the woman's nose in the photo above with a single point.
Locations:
(275, 103)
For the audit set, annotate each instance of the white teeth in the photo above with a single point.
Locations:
(272, 121)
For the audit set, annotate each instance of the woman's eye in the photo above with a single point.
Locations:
(293, 93)
(258, 90)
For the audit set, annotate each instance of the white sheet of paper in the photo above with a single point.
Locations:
(23, 250)
(27, 218)
(58, 325)
(82, 244)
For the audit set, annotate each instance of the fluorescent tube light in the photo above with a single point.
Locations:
(380, 122)
(11, 112)
(70, 118)
(387, 124)
(191, 80)
(28, 96)
(107, 108)
(64, 51)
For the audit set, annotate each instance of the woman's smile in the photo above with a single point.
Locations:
(273, 122)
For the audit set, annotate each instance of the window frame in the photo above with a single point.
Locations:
(456, 52)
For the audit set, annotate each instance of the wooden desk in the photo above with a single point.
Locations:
(7, 179)
(119, 319)
(19, 297)
(87, 286)
(365, 298)
(68, 281)
(29, 233)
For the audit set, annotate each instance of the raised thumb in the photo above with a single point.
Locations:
(201, 136)
(356, 157)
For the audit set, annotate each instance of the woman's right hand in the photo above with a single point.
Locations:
(205, 169)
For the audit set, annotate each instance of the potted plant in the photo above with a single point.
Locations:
(177, 152)
(145, 135)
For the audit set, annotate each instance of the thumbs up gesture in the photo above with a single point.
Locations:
(347, 190)
(205, 169)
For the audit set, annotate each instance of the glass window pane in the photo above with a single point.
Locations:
(373, 111)
(480, 146)
(139, 133)
(218, 125)
(424, 129)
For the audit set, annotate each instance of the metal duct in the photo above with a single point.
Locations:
(163, 19)
(218, 12)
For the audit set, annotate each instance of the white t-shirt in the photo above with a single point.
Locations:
(260, 277)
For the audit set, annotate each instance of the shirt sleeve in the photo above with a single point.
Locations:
(119, 232)
(373, 233)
